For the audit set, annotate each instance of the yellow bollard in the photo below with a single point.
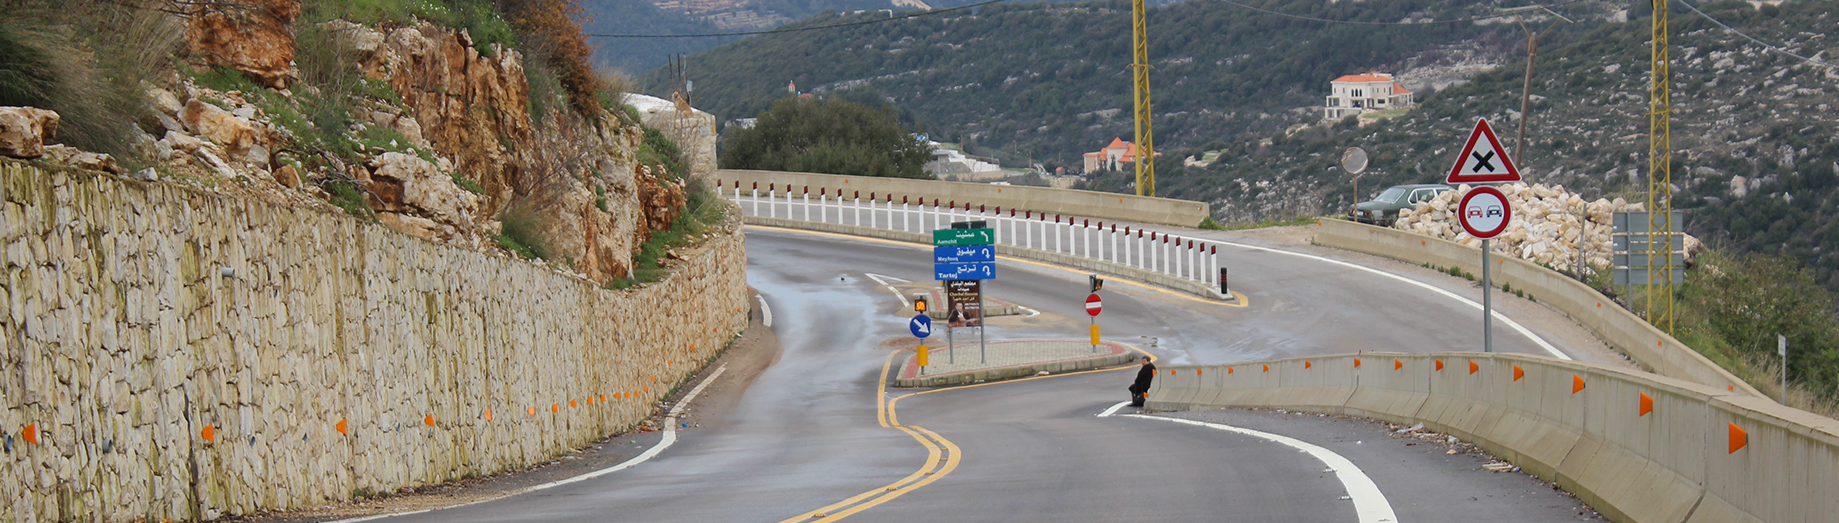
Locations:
(1094, 335)
(922, 355)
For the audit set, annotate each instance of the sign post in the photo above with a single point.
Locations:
(1781, 344)
(962, 257)
(1094, 306)
(1484, 212)
(921, 326)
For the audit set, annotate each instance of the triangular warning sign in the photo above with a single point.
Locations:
(1483, 161)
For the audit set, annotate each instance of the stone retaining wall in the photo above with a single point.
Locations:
(181, 354)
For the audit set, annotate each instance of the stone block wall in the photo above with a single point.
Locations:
(325, 355)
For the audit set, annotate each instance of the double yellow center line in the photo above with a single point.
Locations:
(942, 457)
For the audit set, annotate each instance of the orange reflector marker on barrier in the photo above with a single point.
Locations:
(1197, 372)
(532, 411)
(1398, 365)
(488, 414)
(428, 420)
(31, 434)
(210, 433)
(1518, 373)
(1738, 438)
(1356, 363)
(1439, 364)
(341, 427)
(1306, 364)
(1647, 405)
(1473, 368)
(654, 379)
(573, 405)
(1577, 384)
(1229, 370)
(1267, 368)
(555, 407)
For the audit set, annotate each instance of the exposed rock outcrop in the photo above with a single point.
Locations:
(23, 131)
(252, 36)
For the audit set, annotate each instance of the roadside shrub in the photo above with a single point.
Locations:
(51, 57)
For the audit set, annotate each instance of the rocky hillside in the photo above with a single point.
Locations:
(414, 122)
(1756, 169)
(1046, 82)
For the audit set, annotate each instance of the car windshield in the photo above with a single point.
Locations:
(1391, 195)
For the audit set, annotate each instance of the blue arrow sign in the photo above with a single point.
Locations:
(967, 254)
(921, 326)
(964, 271)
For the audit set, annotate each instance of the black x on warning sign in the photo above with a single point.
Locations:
(1483, 161)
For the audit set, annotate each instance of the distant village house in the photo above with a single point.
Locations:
(1356, 94)
(1113, 157)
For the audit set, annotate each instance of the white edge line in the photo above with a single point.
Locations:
(1497, 315)
(1370, 505)
(1031, 311)
(670, 437)
(1113, 410)
(875, 277)
(885, 279)
(904, 304)
(766, 313)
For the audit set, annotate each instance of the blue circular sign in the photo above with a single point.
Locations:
(921, 326)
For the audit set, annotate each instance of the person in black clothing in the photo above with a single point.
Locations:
(1139, 390)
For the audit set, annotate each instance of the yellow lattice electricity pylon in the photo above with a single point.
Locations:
(1660, 180)
(1146, 148)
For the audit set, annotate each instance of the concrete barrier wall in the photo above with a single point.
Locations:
(1199, 288)
(1650, 347)
(1088, 204)
(338, 357)
(1580, 425)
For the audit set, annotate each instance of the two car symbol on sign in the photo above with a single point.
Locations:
(1493, 212)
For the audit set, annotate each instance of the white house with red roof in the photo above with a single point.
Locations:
(1112, 157)
(1360, 93)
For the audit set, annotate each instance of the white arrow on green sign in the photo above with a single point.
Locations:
(958, 237)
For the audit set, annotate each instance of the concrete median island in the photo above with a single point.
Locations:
(1008, 359)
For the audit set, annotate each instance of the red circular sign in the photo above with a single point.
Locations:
(1484, 212)
(1093, 304)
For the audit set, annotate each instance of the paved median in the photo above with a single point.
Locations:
(968, 363)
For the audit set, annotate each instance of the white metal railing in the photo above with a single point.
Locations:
(1130, 245)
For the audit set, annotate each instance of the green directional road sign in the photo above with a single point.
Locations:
(960, 237)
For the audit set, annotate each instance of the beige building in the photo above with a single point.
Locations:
(1360, 93)
(1113, 157)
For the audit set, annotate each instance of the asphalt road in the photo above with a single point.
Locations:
(806, 434)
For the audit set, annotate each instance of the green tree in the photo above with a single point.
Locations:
(827, 136)
(1750, 299)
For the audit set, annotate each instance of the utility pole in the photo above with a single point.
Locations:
(1660, 176)
(1146, 148)
(1532, 54)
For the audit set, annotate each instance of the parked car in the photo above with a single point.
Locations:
(1382, 210)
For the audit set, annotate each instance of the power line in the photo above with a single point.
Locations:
(800, 29)
(1357, 22)
(1771, 47)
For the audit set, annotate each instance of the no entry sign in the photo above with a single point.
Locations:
(1484, 212)
(1094, 305)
